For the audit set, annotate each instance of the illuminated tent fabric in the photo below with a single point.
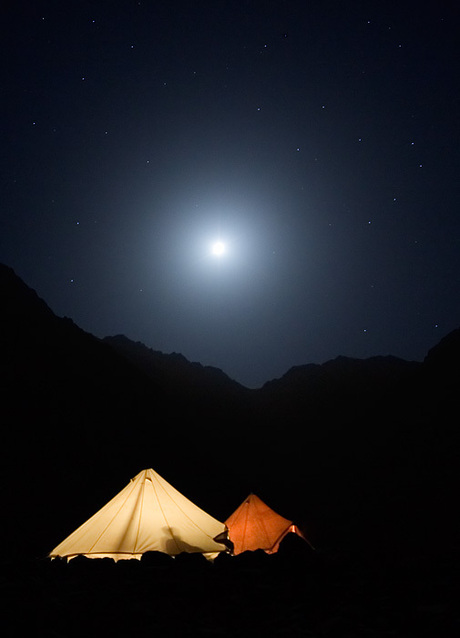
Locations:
(147, 515)
(254, 525)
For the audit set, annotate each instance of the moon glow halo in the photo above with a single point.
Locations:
(218, 249)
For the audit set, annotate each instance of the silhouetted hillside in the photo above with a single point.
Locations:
(79, 419)
(356, 451)
(173, 372)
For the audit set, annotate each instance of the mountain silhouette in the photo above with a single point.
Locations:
(356, 451)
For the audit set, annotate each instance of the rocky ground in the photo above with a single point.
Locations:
(294, 593)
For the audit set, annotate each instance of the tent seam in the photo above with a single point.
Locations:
(164, 516)
(110, 522)
(188, 517)
(140, 516)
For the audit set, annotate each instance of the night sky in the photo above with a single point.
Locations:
(318, 141)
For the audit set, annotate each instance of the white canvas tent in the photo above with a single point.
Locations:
(147, 515)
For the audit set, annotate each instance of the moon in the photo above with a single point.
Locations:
(218, 248)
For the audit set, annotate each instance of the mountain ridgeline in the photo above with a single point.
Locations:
(355, 451)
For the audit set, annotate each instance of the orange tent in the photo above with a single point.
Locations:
(254, 525)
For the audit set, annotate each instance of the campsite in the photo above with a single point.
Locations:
(361, 456)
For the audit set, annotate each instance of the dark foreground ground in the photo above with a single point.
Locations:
(294, 593)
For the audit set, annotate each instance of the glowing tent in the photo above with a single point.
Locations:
(147, 515)
(253, 525)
